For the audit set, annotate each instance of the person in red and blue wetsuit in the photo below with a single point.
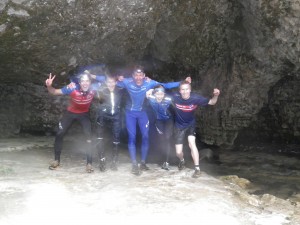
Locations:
(137, 86)
(81, 97)
(185, 104)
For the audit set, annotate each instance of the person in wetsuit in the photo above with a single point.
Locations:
(161, 105)
(81, 97)
(185, 104)
(137, 86)
(109, 118)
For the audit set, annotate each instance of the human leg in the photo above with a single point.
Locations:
(116, 141)
(63, 125)
(194, 151)
(179, 138)
(85, 121)
(131, 120)
(100, 142)
(168, 132)
(164, 130)
(100, 135)
(143, 122)
(131, 129)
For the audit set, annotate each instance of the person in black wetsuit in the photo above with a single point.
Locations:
(109, 118)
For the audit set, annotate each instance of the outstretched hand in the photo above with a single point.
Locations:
(147, 79)
(50, 79)
(71, 85)
(120, 78)
(149, 93)
(188, 79)
(216, 92)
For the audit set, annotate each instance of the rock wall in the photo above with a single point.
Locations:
(249, 49)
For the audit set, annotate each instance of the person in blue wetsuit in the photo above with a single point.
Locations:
(164, 120)
(185, 104)
(137, 86)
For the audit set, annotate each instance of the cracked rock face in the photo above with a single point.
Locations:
(248, 49)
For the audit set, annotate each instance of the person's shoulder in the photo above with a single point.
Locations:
(119, 89)
(168, 98)
(68, 89)
(102, 88)
(128, 79)
(196, 95)
(175, 94)
(151, 98)
(96, 85)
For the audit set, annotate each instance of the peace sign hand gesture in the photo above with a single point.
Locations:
(50, 80)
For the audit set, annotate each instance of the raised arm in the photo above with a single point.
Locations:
(52, 90)
(175, 84)
(149, 93)
(100, 78)
(214, 99)
(120, 81)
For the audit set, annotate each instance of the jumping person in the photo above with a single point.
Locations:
(81, 97)
(164, 120)
(109, 117)
(185, 104)
(137, 86)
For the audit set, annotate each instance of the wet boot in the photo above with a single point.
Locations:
(102, 160)
(136, 169)
(102, 165)
(165, 166)
(89, 168)
(54, 165)
(143, 166)
(181, 164)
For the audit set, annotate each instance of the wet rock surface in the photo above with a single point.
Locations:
(248, 49)
(30, 192)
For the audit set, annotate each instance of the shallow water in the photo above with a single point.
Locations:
(31, 193)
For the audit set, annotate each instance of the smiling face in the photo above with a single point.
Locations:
(185, 91)
(110, 83)
(138, 77)
(85, 82)
(159, 96)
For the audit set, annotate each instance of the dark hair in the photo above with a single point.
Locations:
(138, 69)
(183, 83)
(111, 76)
(159, 88)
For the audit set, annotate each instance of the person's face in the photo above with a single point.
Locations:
(85, 84)
(111, 83)
(185, 91)
(159, 96)
(138, 78)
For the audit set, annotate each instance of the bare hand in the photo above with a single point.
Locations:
(71, 85)
(216, 92)
(188, 79)
(148, 79)
(120, 78)
(50, 79)
(149, 93)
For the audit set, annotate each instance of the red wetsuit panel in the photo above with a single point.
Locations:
(80, 102)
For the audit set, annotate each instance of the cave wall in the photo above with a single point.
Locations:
(245, 48)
